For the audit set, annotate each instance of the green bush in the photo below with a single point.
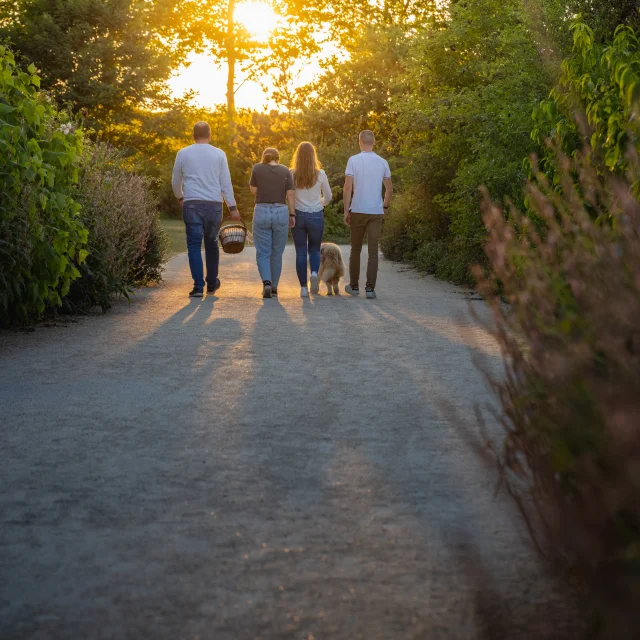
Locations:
(149, 267)
(464, 120)
(42, 239)
(571, 395)
(335, 230)
(126, 244)
(398, 239)
(603, 82)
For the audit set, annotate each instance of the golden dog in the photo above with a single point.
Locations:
(331, 267)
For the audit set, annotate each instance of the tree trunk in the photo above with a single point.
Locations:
(231, 67)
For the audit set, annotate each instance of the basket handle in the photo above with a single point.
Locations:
(242, 222)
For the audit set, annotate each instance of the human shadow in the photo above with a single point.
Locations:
(366, 488)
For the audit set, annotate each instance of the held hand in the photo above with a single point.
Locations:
(347, 218)
(235, 215)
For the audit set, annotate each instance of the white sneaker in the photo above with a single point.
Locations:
(315, 285)
(304, 292)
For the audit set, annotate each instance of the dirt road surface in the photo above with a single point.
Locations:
(234, 468)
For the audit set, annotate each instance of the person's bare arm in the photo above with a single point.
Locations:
(253, 182)
(388, 192)
(346, 198)
(291, 203)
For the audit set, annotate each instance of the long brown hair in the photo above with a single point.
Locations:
(305, 166)
(269, 155)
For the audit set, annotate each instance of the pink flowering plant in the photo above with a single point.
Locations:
(570, 335)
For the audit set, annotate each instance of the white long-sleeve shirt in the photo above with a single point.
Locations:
(201, 172)
(318, 196)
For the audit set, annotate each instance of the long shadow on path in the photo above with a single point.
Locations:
(244, 468)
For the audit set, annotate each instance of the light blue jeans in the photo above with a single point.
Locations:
(270, 232)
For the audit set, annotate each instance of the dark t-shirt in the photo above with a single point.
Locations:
(273, 182)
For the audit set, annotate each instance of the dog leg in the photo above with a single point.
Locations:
(329, 290)
(336, 288)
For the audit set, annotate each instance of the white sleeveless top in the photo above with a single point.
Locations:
(318, 196)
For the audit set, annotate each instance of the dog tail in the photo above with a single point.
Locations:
(328, 273)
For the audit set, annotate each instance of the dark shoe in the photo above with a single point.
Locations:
(274, 292)
(351, 290)
(196, 293)
(371, 294)
(212, 288)
(266, 291)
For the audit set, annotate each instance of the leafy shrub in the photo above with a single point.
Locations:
(42, 239)
(398, 239)
(464, 119)
(149, 267)
(126, 243)
(417, 231)
(602, 81)
(335, 230)
(571, 395)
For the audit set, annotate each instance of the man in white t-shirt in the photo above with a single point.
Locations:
(365, 176)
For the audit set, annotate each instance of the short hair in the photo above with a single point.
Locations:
(201, 130)
(367, 137)
(269, 155)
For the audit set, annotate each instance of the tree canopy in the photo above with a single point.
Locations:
(458, 93)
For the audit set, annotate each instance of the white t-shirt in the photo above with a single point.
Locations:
(201, 172)
(313, 199)
(368, 170)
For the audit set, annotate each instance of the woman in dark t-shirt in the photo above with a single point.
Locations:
(273, 215)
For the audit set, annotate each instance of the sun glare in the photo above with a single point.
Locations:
(258, 18)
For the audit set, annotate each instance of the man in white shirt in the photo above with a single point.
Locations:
(201, 180)
(365, 175)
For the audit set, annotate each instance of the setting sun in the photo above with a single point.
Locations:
(258, 18)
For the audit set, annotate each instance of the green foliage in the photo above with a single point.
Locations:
(602, 81)
(335, 230)
(464, 118)
(570, 398)
(402, 231)
(356, 94)
(106, 56)
(126, 244)
(604, 16)
(42, 239)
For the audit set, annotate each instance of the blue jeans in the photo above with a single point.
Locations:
(202, 219)
(270, 232)
(307, 236)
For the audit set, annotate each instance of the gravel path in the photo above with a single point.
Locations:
(235, 468)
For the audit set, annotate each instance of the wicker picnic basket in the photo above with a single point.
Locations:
(233, 237)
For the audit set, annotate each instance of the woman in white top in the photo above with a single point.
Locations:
(312, 193)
